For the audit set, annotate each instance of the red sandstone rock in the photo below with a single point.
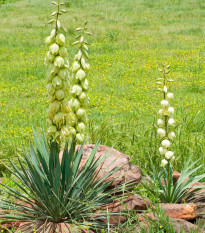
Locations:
(181, 211)
(129, 203)
(183, 225)
(127, 172)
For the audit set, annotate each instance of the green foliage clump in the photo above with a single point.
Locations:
(53, 190)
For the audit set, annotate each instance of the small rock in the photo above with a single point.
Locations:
(129, 203)
(181, 211)
(181, 224)
(127, 172)
(195, 197)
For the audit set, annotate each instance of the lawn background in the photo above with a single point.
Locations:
(131, 39)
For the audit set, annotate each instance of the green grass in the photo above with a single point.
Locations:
(131, 38)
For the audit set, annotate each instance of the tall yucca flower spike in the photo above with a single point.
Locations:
(166, 121)
(79, 87)
(57, 78)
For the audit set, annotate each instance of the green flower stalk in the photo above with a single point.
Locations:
(166, 121)
(57, 79)
(79, 88)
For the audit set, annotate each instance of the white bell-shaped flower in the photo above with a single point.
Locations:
(171, 135)
(171, 111)
(80, 112)
(166, 143)
(84, 84)
(60, 94)
(160, 122)
(164, 103)
(162, 150)
(80, 127)
(54, 49)
(60, 39)
(161, 132)
(76, 90)
(59, 61)
(164, 162)
(80, 74)
(169, 155)
(63, 52)
(171, 121)
(54, 106)
(80, 137)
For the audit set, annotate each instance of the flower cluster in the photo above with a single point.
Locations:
(57, 80)
(79, 87)
(166, 121)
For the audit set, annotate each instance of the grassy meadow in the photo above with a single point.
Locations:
(131, 39)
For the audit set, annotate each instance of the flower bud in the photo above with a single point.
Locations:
(53, 69)
(171, 110)
(161, 112)
(164, 103)
(160, 122)
(50, 115)
(161, 132)
(51, 130)
(51, 98)
(49, 40)
(58, 118)
(59, 61)
(80, 112)
(75, 66)
(75, 104)
(172, 159)
(164, 162)
(79, 55)
(50, 89)
(71, 119)
(80, 74)
(166, 143)
(83, 63)
(49, 76)
(82, 96)
(54, 106)
(85, 103)
(54, 49)
(76, 90)
(80, 127)
(84, 84)
(65, 131)
(170, 96)
(53, 32)
(162, 150)
(60, 94)
(171, 135)
(63, 52)
(62, 73)
(171, 121)
(169, 155)
(50, 57)
(60, 39)
(57, 82)
(80, 137)
(66, 106)
(66, 63)
(87, 67)
(165, 89)
(72, 131)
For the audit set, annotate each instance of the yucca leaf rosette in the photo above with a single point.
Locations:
(166, 121)
(79, 87)
(57, 79)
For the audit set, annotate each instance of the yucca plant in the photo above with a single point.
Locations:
(54, 192)
(161, 184)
